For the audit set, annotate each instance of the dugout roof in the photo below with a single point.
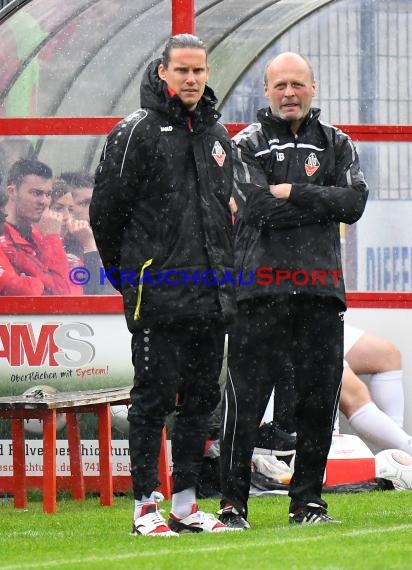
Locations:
(86, 57)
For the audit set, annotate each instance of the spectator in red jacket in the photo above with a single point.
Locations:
(11, 283)
(31, 238)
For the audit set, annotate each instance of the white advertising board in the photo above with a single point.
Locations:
(384, 246)
(90, 458)
(68, 352)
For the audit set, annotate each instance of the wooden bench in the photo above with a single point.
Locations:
(46, 407)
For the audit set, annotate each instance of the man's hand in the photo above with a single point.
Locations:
(233, 206)
(50, 222)
(281, 191)
(81, 231)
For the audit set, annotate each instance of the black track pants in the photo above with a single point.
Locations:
(268, 337)
(177, 367)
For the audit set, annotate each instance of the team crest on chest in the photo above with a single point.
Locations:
(218, 153)
(311, 164)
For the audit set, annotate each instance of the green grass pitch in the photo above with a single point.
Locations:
(375, 533)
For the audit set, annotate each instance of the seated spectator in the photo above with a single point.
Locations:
(31, 239)
(61, 201)
(81, 185)
(11, 282)
(78, 241)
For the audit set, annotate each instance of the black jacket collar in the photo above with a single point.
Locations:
(266, 117)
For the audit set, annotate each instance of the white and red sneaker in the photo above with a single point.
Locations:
(197, 521)
(151, 523)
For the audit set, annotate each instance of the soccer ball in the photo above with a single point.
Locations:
(119, 418)
(35, 425)
(396, 466)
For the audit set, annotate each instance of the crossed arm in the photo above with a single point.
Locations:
(277, 206)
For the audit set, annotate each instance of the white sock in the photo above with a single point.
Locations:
(143, 501)
(336, 424)
(269, 412)
(373, 424)
(386, 389)
(183, 502)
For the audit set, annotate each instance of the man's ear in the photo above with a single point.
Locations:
(11, 191)
(161, 70)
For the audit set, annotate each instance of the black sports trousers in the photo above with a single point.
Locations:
(268, 336)
(177, 367)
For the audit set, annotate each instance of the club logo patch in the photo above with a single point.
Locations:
(311, 164)
(218, 153)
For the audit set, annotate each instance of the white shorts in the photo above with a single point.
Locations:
(351, 335)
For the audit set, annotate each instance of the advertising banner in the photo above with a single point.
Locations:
(384, 246)
(89, 451)
(90, 458)
(66, 352)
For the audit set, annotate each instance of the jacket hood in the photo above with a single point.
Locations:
(154, 95)
(265, 116)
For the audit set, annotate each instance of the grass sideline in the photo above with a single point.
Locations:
(376, 533)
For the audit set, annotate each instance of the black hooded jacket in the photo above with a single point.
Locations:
(296, 241)
(160, 208)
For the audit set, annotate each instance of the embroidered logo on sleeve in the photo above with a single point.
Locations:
(311, 164)
(218, 153)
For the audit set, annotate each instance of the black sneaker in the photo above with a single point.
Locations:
(230, 517)
(270, 436)
(312, 513)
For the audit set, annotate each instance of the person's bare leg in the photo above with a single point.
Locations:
(382, 359)
(367, 419)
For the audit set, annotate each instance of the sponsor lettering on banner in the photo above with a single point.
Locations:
(90, 458)
(384, 247)
(389, 268)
